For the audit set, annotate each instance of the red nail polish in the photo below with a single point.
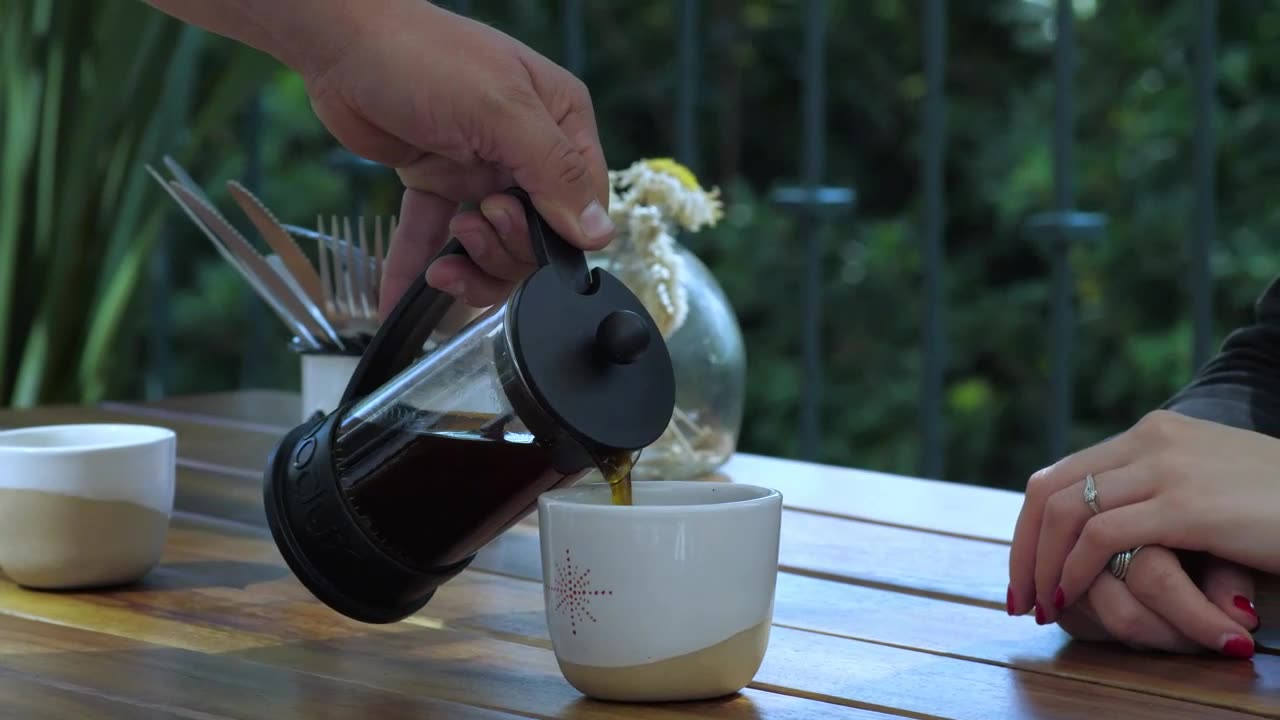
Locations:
(1243, 603)
(1238, 647)
(1040, 615)
(1008, 600)
(1059, 599)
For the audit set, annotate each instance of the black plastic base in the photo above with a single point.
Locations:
(324, 542)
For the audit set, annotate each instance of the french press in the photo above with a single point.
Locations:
(432, 454)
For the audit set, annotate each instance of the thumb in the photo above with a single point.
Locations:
(562, 169)
(1231, 588)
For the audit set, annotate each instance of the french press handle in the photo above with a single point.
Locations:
(418, 312)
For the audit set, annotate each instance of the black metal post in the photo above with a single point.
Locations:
(932, 429)
(687, 87)
(1058, 230)
(1064, 202)
(814, 156)
(574, 46)
(1204, 157)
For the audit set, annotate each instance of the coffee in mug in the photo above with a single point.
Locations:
(669, 598)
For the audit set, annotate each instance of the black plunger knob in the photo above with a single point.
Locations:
(622, 336)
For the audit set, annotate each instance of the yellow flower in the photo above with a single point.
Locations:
(676, 170)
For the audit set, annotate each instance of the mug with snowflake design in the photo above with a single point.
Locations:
(670, 598)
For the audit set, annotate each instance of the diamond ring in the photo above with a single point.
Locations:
(1121, 561)
(1091, 494)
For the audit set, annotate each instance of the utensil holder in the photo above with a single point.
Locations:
(324, 378)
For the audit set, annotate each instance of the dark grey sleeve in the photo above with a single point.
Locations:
(1240, 386)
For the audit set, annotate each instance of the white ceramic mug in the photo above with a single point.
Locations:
(84, 505)
(670, 598)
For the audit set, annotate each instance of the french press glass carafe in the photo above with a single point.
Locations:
(430, 456)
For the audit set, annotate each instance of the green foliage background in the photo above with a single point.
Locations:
(1134, 126)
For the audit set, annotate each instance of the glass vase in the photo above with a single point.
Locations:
(710, 368)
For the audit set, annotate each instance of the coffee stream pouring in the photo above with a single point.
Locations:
(429, 456)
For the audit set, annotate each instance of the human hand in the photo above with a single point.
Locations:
(462, 112)
(1158, 606)
(1171, 480)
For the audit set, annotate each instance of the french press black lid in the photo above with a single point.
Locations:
(569, 371)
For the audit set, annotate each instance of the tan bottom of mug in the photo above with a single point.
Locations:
(715, 671)
(52, 541)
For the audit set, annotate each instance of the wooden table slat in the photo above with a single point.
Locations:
(175, 682)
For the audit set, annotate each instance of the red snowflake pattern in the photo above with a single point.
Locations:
(572, 588)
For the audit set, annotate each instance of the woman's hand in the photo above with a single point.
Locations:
(1170, 480)
(1130, 611)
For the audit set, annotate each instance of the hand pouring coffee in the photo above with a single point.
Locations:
(430, 457)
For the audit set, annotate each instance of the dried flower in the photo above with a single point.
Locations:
(646, 200)
(672, 188)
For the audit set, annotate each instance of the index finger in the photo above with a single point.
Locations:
(577, 120)
(1111, 453)
(421, 231)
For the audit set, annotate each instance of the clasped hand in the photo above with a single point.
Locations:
(1170, 483)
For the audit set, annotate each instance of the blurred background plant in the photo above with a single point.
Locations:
(88, 248)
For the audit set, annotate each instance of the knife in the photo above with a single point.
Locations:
(296, 326)
(280, 241)
(309, 322)
(181, 173)
(311, 317)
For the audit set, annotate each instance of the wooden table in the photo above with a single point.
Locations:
(891, 604)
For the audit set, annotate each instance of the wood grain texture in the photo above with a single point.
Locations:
(270, 407)
(232, 609)
(35, 698)
(134, 679)
(886, 610)
(940, 507)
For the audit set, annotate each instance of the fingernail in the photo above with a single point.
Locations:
(1243, 603)
(500, 220)
(1040, 620)
(1059, 598)
(1238, 647)
(595, 222)
(1008, 600)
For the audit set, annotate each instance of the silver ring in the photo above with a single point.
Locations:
(1091, 494)
(1121, 561)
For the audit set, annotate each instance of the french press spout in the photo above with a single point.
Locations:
(432, 454)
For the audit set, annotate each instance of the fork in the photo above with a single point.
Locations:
(350, 287)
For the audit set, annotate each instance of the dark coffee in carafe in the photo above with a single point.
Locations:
(430, 456)
(420, 487)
